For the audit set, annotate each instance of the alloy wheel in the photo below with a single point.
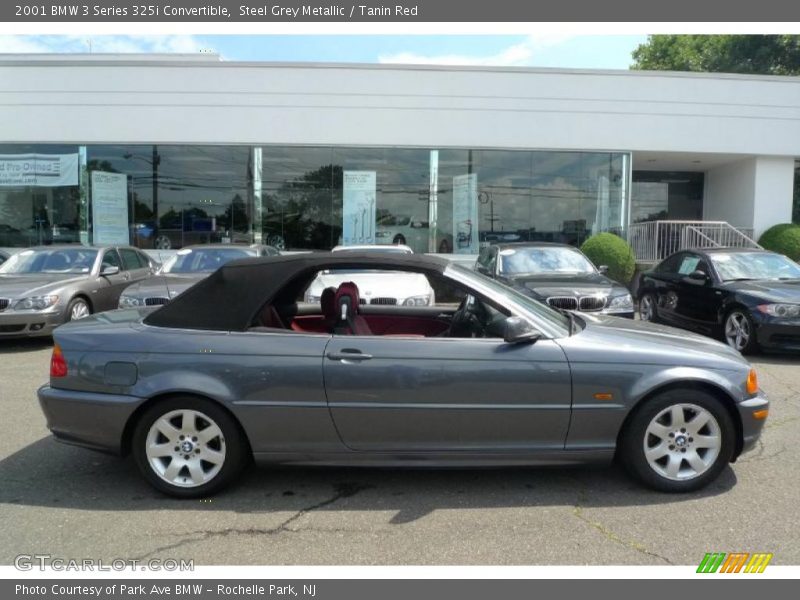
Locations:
(647, 308)
(79, 310)
(185, 448)
(738, 330)
(682, 442)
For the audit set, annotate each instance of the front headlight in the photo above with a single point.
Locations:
(417, 301)
(382, 234)
(783, 311)
(36, 303)
(129, 301)
(624, 302)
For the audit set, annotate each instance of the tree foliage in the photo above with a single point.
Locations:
(753, 54)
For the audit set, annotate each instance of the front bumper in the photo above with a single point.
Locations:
(777, 334)
(29, 324)
(751, 426)
(89, 419)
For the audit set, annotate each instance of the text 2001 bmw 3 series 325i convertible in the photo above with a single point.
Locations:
(239, 365)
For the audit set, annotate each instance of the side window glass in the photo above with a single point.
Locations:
(130, 259)
(689, 264)
(111, 259)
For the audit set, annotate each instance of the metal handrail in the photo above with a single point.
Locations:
(652, 241)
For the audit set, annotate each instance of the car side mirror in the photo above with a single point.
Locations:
(603, 269)
(518, 331)
(109, 271)
(697, 277)
(481, 268)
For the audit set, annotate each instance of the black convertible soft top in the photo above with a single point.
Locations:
(230, 298)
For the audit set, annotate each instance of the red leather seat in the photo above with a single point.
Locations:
(347, 304)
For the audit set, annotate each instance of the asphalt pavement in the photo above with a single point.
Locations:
(73, 503)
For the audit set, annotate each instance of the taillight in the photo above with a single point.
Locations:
(58, 366)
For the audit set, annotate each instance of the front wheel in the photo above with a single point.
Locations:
(740, 332)
(678, 441)
(78, 308)
(648, 308)
(188, 447)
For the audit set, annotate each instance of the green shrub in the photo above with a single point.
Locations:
(784, 239)
(614, 252)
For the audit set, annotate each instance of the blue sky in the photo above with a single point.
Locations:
(566, 51)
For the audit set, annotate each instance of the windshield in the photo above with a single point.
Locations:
(203, 260)
(57, 260)
(557, 321)
(537, 260)
(754, 265)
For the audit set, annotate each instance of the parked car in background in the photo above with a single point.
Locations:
(499, 379)
(413, 232)
(388, 288)
(41, 288)
(4, 254)
(184, 269)
(749, 298)
(556, 274)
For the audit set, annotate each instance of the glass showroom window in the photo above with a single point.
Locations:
(39, 195)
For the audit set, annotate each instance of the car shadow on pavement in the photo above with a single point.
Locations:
(49, 474)
(21, 345)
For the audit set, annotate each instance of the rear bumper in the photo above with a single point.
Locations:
(87, 419)
(752, 427)
(28, 324)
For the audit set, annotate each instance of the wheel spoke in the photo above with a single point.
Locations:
(658, 430)
(167, 429)
(171, 472)
(674, 465)
(699, 421)
(676, 413)
(656, 452)
(707, 441)
(694, 460)
(159, 450)
(196, 472)
(212, 456)
(188, 422)
(208, 434)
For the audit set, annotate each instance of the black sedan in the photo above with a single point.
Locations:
(750, 298)
(556, 274)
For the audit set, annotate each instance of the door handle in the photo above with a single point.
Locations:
(346, 354)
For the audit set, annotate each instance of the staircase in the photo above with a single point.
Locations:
(653, 241)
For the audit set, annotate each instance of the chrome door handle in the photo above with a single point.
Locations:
(349, 355)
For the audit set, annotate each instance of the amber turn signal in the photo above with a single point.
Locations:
(58, 365)
(752, 382)
(760, 415)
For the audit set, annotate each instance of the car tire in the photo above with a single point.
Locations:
(399, 239)
(678, 441)
(189, 447)
(163, 243)
(444, 247)
(648, 308)
(739, 331)
(78, 308)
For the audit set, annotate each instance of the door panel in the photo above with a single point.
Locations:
(433, 394)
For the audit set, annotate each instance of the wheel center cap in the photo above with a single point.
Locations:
(680, 441)
(187, 446)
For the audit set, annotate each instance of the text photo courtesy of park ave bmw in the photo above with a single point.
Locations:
(291, 312)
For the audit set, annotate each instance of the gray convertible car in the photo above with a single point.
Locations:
(239, 367)
(184, 269)
(41, 288)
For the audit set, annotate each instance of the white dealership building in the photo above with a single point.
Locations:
(196, 149)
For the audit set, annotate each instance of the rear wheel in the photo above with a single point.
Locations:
(678, 441)
(188, 447)
(399, 239)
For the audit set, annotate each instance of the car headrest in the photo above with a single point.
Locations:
(327, 302)
(346, 300)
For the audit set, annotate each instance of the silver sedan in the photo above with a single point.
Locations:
(42, 288)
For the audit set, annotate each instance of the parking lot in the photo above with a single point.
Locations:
(73, 503)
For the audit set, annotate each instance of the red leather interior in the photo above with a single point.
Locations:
(386, 325)
(347, 302)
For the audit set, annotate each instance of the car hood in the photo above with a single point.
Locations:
(612, 339)
(552, 284)
(386, 284)
(771, 290)
(20, 286)
(166, 286)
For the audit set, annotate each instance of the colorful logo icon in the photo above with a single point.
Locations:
(734, 562)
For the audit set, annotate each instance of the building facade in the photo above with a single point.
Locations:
(167, 151)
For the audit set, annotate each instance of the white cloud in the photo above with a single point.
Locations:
(126, 44)
(516, 55)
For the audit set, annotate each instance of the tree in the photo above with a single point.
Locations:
(754, 54)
